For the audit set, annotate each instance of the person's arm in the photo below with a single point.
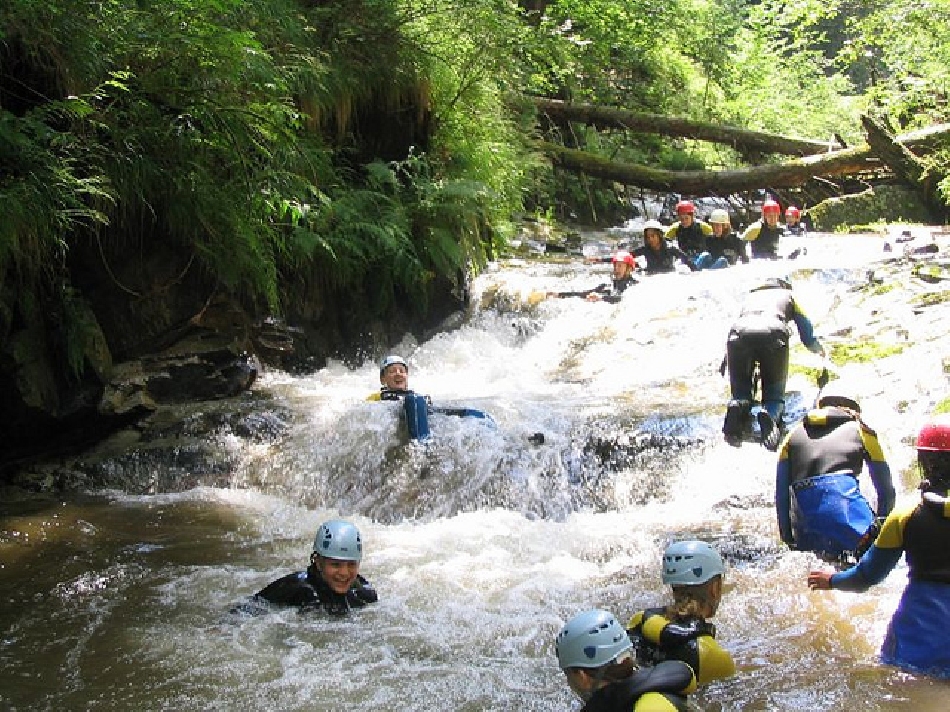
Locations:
(751, 232)
(783, 498)
(684, 258)
(806, 331)
(879, 471)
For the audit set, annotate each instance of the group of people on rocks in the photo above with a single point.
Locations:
(664, 653)
(696, 245)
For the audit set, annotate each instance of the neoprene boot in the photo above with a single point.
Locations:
(734, 423)
(770, 432)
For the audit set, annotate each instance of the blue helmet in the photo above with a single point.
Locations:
(689, 563)
(591, 640)
(389, 361)
(337, 539)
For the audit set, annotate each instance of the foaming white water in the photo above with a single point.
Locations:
(482, 544)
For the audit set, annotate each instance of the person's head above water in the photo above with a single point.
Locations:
(394, 373)
(337, 552)
(695, 570)
(593, 649)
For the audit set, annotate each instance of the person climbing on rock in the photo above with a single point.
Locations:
(759, 338)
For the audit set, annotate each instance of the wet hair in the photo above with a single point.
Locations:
(692, 601)
(935, 469)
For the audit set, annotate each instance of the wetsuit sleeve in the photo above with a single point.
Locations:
(705, 228)
(374, 397)
(805, 329)
(672, 231)
(363, 591)
(783, 497)
(751, 232)
(880, 559)
(880, 472)
(291, 590)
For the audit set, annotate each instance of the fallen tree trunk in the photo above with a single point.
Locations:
(788, 174)
(776, 175)
(740, 139)
(905, 164)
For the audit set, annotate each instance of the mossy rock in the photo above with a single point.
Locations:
(880, 205)
(863, 352)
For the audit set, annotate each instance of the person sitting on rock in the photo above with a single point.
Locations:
(764, 234)
(660, 254)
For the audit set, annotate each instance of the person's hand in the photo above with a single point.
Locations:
(593, 297)
(820, 579)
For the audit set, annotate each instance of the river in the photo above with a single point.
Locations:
(480, 545)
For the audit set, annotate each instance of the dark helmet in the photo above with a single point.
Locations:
(625, 257)
(834, 394)
(685, 206)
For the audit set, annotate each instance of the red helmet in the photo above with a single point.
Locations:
(935, 435)
(792, 211)
(770, 206)
(625, 257)
(685, 206)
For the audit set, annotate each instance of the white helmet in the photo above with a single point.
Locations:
(337, 539)
(591, 640)
(689, 563)
(720, 216)
(653, 225)
(389, 361)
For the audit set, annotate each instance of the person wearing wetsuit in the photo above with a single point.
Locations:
(659, 254)
(681, 630)
(690, 234)
(818, 502)
(597, 658)
(394, 385)
(916, 638)
(724, 247)
(760, 337)
(331, 582)
(764, 234)
(623, 267)
(793, 221)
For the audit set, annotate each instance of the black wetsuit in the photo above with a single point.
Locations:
(764, 239)
(663, 259)
(610, 293)
(671, 680)
(730, 246)
(308, 590)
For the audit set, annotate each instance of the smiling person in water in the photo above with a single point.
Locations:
(331, 582)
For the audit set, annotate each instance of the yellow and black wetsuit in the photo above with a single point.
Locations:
(764, 239)
(662, 688)
(693, 642)
(691, 240)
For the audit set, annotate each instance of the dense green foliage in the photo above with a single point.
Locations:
(339, 145)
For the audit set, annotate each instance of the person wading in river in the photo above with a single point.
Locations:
(818, 502)
(916, 638)
(724, 247)
(331, 582)
(660, 254)
(681, 631)
(691, 234)
(597, 658)
(764, 234)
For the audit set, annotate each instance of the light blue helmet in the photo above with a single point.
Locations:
(337, 539)
(689, 563)
(389, 361)
(590, 640)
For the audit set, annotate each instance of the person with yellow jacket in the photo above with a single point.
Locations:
(680, 630)
(818, 500)
(691, 235)
(916, 638)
